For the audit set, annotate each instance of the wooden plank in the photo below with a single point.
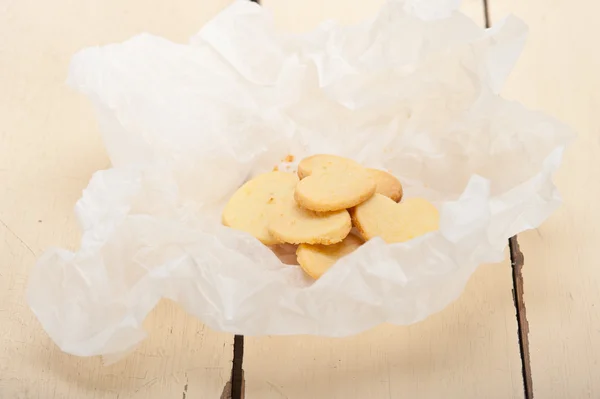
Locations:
(49, 147)
(469, 350)
(558, 73)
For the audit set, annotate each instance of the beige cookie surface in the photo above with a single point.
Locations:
(335, 190)
(386, 184)
(315, 260)
(325, 163)
(251, 206)
(381, 217)
(293, 224)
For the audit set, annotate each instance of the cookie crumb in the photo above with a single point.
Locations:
(289, 158)
(276, 168)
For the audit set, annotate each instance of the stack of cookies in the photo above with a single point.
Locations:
(317, 209)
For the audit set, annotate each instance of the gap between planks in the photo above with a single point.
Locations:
(517, 261)
(235, 388)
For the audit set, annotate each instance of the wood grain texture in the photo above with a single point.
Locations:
(49, 147)
(467, 351)
(558, 74)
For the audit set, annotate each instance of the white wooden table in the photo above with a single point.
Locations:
(50, 146)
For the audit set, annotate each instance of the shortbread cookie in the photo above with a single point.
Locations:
(293, 224)
(325, 163)
(251, 206)
(387, 184)
(317, 259)
(335, 190)
(381, 217)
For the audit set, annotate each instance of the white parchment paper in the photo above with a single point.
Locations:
(414, 90)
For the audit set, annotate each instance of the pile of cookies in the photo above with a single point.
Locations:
(317, 209)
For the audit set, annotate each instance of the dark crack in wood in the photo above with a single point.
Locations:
(235, 387)
(237, 372)
(185, 387)
(517, 261)
(486, 14)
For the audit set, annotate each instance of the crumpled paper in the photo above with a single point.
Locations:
(414, 90)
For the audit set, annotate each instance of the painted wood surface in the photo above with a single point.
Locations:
(50, 146)
(558, 74)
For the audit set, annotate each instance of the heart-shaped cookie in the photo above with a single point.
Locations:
(387, 184)
(317, 259)
(380, 216)
(325, 163)
(251, 206)
(331, 183)
(334, 190)
(292, 224)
